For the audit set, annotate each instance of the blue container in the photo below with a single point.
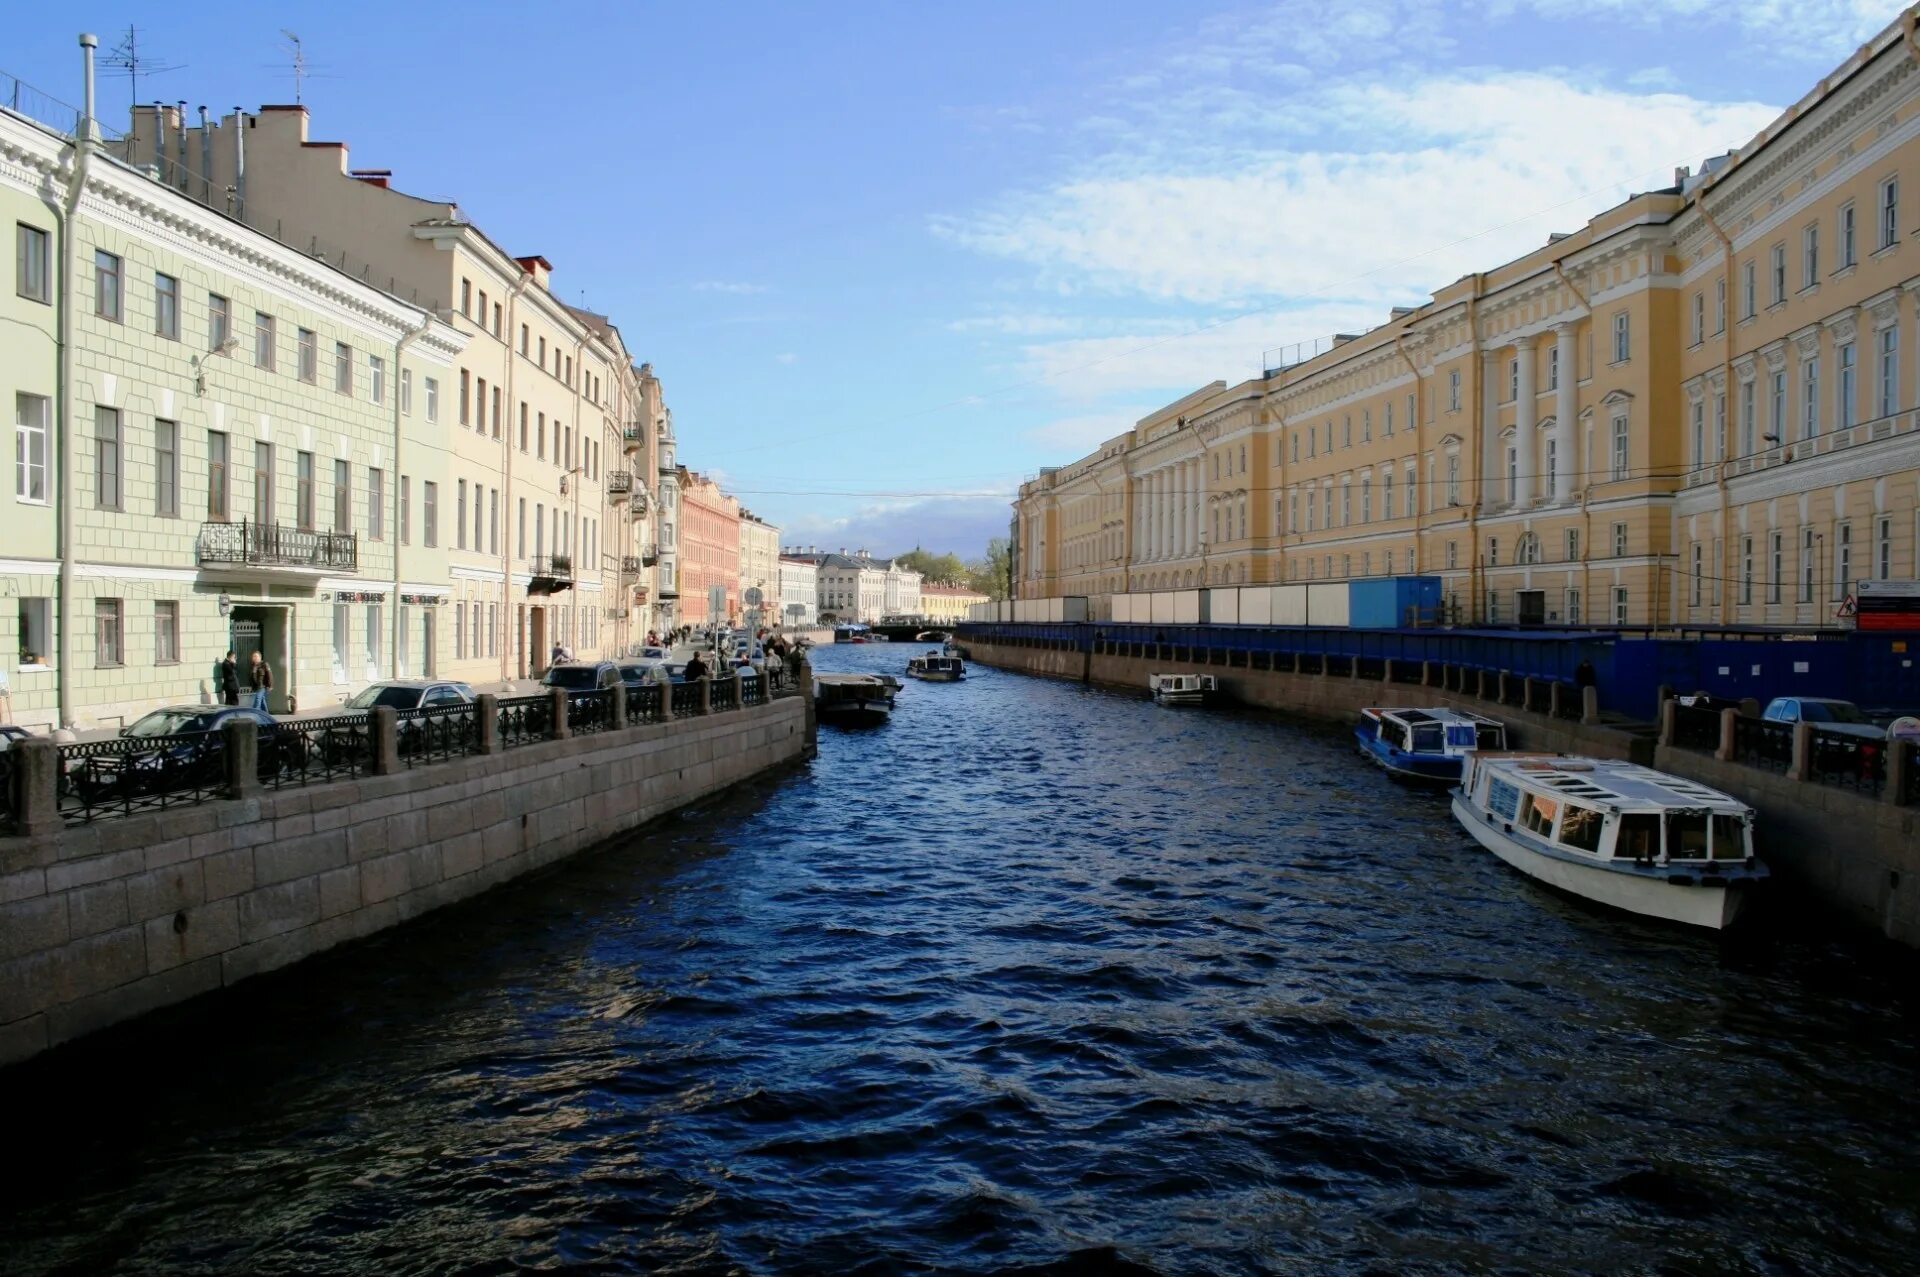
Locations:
(1393, 602)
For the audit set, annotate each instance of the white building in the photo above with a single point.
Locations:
(858, 586)
(759, 568)
(799, 588)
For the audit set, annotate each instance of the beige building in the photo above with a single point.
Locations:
(759, 570)
(236, 447)
(948, 604)
(552, 435)
(1699, 408)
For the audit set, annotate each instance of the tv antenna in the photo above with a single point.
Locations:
(300, 68)
(127, 59)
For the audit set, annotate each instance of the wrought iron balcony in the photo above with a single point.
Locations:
(272, 545)
(551, 574)
(633, 438)
(637, 505)
(630, 565)
(619, 484)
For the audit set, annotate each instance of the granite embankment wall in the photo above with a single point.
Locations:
(103, 922)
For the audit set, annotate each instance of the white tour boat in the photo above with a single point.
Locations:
(1614, 832)
(1426, 744)
(1184, 689)
(935, 668)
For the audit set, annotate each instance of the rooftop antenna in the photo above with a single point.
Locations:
(300, 68)
(127, 59)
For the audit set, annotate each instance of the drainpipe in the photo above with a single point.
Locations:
(239, 209)
(506, 440)
(1726, 381)
(63, 389)
(399, 350)
(1419, 416)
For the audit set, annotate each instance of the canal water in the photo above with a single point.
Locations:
(1033, 978)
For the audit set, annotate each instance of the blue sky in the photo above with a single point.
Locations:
(890, 258)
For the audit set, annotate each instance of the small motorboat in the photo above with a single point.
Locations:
(1614, 832)
(1184, 689)
(854, 697)
(936, 668)
(1426, 744)
(942, 637)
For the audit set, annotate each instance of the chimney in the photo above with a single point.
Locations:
(180, 123)
(206, 160)
(159, 142)
(239, 164)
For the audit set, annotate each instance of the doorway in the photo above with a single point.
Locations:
(268, 631)
(1532, 606)
(536, 641)
(429, 667)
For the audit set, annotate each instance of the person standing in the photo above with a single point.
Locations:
(229, 680)
(260, 678)
(696, 668)
(1584, 675)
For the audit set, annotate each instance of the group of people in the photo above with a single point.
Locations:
(259, 680)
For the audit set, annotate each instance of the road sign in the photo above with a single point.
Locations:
(754, 596)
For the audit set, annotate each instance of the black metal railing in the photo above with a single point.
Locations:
(619, 483)
(684, 701)
(753, 688)
(312, 750)
(629, 565)
(1695, 728)
(437, 732)
(558, 567)
(275, 545)
(590, 712)
(126, 774)
(725, 694)
(643, 705)
(1848, 762)
(1760, 743)
(9, 789)
(1572, 701)
(632, 436)
(525, 720)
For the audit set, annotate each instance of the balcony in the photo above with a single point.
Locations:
(633, 438)
(619, 484)
(637, 505)
(551, 574)
(271, 545)
(630, 565)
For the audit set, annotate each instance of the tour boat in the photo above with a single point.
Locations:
(1426, 744)
(854, 697)
(935, 668)
(1184, 689)
(849, 633)
(1614, 832)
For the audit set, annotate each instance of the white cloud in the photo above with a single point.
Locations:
(786, 357)
(956, 525)
(1077, 435)
(1778, 28)
(726, 286)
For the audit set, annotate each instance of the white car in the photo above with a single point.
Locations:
(1825, 714)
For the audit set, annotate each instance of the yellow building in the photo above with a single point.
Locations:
(1698, 408)
(947, 605)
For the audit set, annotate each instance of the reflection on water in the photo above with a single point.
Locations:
(1033, 977)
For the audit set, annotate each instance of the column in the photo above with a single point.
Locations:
(1195, 499)
(1186, 509)
(1566, 408)
(1523, 423)
(1153, 516)
(1167, 500)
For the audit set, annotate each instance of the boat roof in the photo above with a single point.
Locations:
(1609, 782)
(1440, 715)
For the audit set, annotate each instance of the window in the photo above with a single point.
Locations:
(343, 367)
(459, 632)
(1809, 257)
(481, 316)
(1695, 596)
(1749, 289)
(1699, 433)
(1493, 551)
(309, 343)
(1620, 605)
(1513, 475)
(30, 259)
(460, 514)
(540, 436)
(219, 321)
(1889, 212)
(1806, 565)
(480, 405)
(523, 425)
(429, 512)
(106, 458)
(1776, 562)
(543, 353)
(1779, 269)
(1889, 399)
(496, 319)
(493, 520)
(303, 489)
(1619, 540)
(1699, 318)
(342, 496)
(1620, 457)
(376, 504)
(432, 385)
(496, 412)
(264, 339)
(1553, 369)
(1553, 467)
(1453, 554)
(406, 509)
(263, 478)
(1386, 495)
(1573, 545)
(1842, 561)
(1777, 415)
(1883, 548)
(36, 631)
(1846, 235)
(376, 636)
(340, 641)
(1720, 305)
(166, 633)
(376, 379)
(1622, 346)
(466, 397)
(166, 468)
(1844, 392)
(523, 339)
(30, 447)
(1346, 435)
(1746, 571)
(166, 307)
(1453, 391)
(1747, 429)
(406, 392)
(106, 286)
(217, 475)
(1719, 426)
(109, 633)
(1513, 379)
(466, 297)
(1453, 479)
(1810, 399)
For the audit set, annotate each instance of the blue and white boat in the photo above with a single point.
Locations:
(1614, 832)
(1426, 744)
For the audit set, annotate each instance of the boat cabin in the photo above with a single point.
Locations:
(1611, 810)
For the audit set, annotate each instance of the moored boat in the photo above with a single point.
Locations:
(1184, 689)
(935, 668)
(1615, 833)
(854, 697)
(1426, 744)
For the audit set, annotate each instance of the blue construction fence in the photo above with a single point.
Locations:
(1875, 670)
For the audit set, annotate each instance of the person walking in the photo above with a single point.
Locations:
(229, 680)
(260, 679)
(1584, 675)
(696, 668)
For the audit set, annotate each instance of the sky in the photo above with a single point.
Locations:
(890, 259)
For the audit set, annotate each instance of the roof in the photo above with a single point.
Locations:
(1610, 782)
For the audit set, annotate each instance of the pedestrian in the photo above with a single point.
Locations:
(260, 679)
(559, 654)
(696, 668)
(1584, 675)
(229, 680)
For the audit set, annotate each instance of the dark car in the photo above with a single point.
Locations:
(582, 676)
(415, 731)
(186, 752)
(410, 693)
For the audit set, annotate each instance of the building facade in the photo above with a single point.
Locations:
(948, 604)
(759, 570)
(237, 451)
(1698, 408)
(799, 591)
(858, 587)
(709, 551)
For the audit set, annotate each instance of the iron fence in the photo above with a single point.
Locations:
(753, 688)
(685, 700)
(1696, 728)
(436, 733)
(525, 720)
(125, 774)
(643, 704)
(1848, 762)
(9, 788)
(590, 712)
(1760, 743)
(1572, 701)
(726, 694)
(311, 750)
(275, 545)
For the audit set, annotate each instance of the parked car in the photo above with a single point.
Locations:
(1826, 714)
(582, 676)
(409, 693)
(11, 732)
(637, 674)
(175, 763)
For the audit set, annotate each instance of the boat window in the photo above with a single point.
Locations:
(1502, 798)
(1581, 828)
(1460, 735)
(1687, 835)
(1426, 739)
(1639, 836)
(1491, 736)
(1729, 837)
(1539, 813)
(1395, 733)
